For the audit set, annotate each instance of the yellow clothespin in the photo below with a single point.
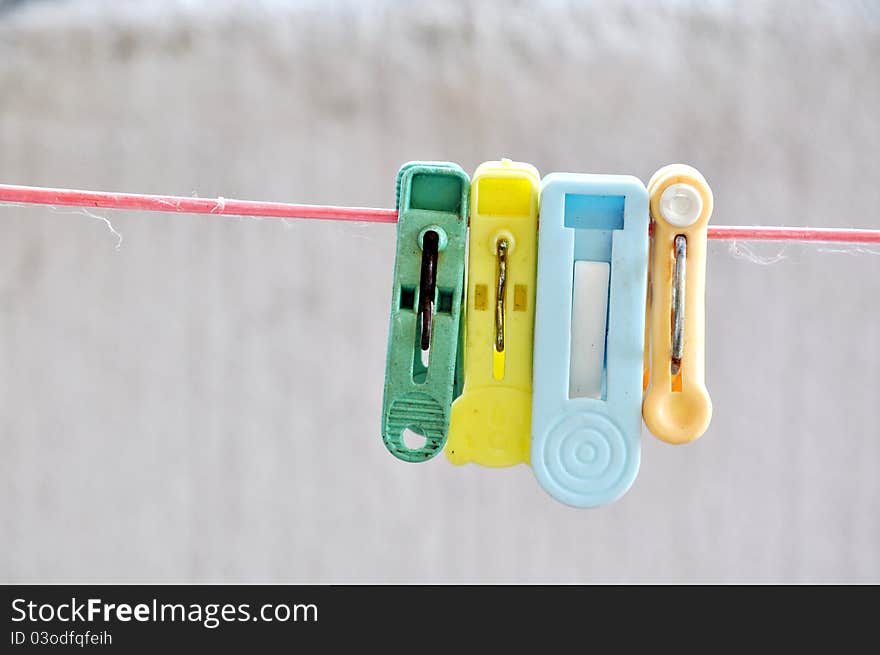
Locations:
(677, 407)
(490, 422)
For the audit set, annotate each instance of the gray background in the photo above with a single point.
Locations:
(203, 403)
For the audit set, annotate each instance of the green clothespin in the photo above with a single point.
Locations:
(424, 338)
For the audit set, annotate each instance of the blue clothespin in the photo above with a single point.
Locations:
(589, 336)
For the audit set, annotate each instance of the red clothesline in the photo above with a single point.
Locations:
(184, 205)
(10, 193)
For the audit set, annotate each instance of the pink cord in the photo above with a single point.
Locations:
(183, 205)
(828, 234)
(223, 207)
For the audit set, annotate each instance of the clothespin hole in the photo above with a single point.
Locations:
(442, 239)
(413, 440)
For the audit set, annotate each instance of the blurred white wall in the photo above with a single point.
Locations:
(203, 403)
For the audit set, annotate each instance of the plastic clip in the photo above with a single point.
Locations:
(421, 373)
(589, 336)
(491, 420)
(677, 407)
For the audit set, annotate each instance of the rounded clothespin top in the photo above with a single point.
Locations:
(677, 408)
